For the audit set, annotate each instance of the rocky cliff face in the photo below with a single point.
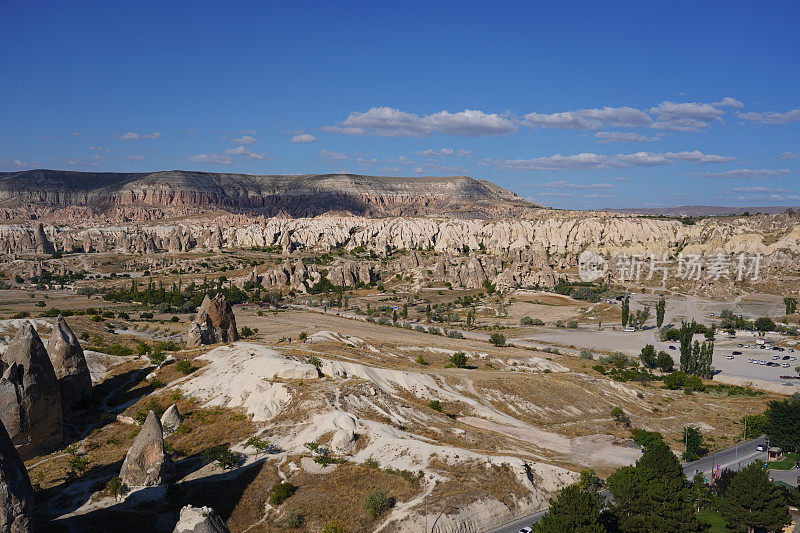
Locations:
(16, 493)
(200, 520)
(296, 195)
(30, 401)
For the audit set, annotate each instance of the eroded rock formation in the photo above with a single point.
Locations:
(170, 420)
(69, 363)
(146, 464)
(200, 520)
(30, 399)
(215, 322)
(16, 493)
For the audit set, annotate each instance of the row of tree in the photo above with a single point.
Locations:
(653, 496)
(695, 357)
(637, 318)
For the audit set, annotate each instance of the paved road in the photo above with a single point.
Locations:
(735, 458)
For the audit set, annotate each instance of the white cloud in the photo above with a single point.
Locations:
(758, 189)
(590, 119)
(133, 157)
(212, 159)
(790, 155)
(99, 149)
(618, 137)
(304, 138)
(592, 161)
(446, 152)
(390, 122)
(250, 132)
(76, 134)
(91, 161)
(748, 173)
(333, 156)
(728, 102)
(560, 184)
(772, 117)
(131, 136)
(556, 194)
(245, 139)
(244, 152)
(15, 164)
(597, 195)
(689, 116)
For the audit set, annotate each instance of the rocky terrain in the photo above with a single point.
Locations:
(293, 195)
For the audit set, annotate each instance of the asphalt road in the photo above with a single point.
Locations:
(734, 458)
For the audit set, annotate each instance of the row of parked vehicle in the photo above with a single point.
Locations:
(765, 347)
(768, 363)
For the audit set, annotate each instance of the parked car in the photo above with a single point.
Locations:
(786, 357)
(671, 347)
(740, 345)
(761, 448)
(776, 357)
(785, 365)
(749, 360)
(736, 352)
(729, 357)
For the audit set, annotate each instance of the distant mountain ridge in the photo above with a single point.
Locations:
(704, 210)
(294, 195)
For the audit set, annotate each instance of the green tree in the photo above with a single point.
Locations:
(783, 422)
(377, 502)
(661, 308)
(626, 310)
(693, 438)
(686, 333)
(665, 362)
(791, 305)
(701, 494)
(764, 323)
(753, 425)
(459, 360)
(619, 415)
(652, 495)
(753, 502)
(648, 356)
(574, 509)
(498, 339)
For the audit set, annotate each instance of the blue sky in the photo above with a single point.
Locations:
(572, 104)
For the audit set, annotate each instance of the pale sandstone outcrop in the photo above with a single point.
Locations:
(146, 463)
(16, 493)
(69, 363)
(30, 401)
(215, 322)
(200, 520)
(171, 420)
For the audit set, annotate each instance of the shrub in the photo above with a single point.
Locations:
(157, 357)
(258, 444)
(115, 486)
(586, 354)
(435, 405)
(572, 324)
(184, 367)
(222, 455)
(293, 519)
(526, 321)
(245, 332)
(497, 339)
(459, 360)
(314, 360)
(303, 335)
(281, 492)
(377, 502)
(559, 323)
(333, 526)
(174, 319)
(453, 334)
(421, 360)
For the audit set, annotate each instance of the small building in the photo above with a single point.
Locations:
(775, 453)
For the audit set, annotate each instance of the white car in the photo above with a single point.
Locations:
(774, 357)
(526, 530)
(785, 365)
(728, 357)
(761, 448)
(749, 360)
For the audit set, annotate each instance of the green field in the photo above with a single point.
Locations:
(787, 463)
